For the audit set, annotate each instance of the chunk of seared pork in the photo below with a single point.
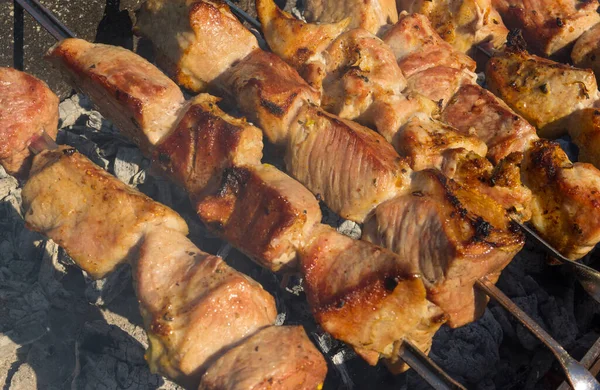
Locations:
(462, 23)
(474, 110)
(584, 129)
(140, 100)
(205, 142)
(195, 307)
(350, 167)
(367, 296)
(263, 212)
(565, 199)
(462, 236)
(530, 85)
(72, 201)
(28, 108)
(195, 41)
(370, 15)
(275, 358)
(586, 51)
(550, 27)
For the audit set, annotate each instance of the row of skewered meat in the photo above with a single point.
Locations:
(360, 293)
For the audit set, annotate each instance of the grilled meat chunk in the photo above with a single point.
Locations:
(584, 130)
(367, 296)
(71, 200)
(586, 51)
(276, 358)
(462, 23)
(565, 199)
(370, 15)
(195, 41)
(440, 83)
(263, 212)
(550, 27)
(468, 236)
(140, 100)
(350, 167)
(194, 306)
(204, 143)
(269, 92)
(27, 108)
(530, 84)
(475, 110)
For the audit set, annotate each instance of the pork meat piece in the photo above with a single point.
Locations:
(462, 236)
(195, 41)
(140, 100)
(195, 307)
(440, 83)
(584, 130)
(566, 200)
(276, 358)
(530, 85)
(370, 15)
(474, 110)
(550, 27)
(27, 108)
(269, 92)
(351, 168)
(367, 296)
(205, 142)
(99, 220)
(462, 23)
(262, 212)
(586, 51)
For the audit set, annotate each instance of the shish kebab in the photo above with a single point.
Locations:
(201, 316)
(363, 248)
(71, 53)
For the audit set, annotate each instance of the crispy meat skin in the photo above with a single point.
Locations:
(530, 84)
(262, 211)
(468, 237)
(366, 295)
(566, 199)
(140, 100)
(439, 83)
(586, 52)
(462, 23)
(71, 200)
(550, 27)
(195, 41)
(195, 307)
(27, 107)
(276, 358)
(204, 143)
(350, 167)
(474, 109)
(370, 15)
(269, 92)
(584, 130)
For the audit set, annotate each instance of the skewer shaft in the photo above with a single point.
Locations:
(46, 19)
(427, 368)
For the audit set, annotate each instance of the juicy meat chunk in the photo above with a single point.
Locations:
(462, 23)
(262, 212)
(270, 92)
(585, 133)
(440, 83)
(417, 46)
(566, 200)
(424, 140)
(476, 110)
(27, 108)
(204, 143)
(530, 85)
(550, 27)
(367, 296)
(350, 167)
(140, 100)
(72, 201)
(195, 41)
(276, 358)
(195, 307)
(586, 52)
(452, 236)
(370, 15)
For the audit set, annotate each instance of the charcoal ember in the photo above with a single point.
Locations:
(103, 291)
(130, 165)
(83, 146)
(350, 229)
(107, 357)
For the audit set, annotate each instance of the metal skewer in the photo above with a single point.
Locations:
(46, 19)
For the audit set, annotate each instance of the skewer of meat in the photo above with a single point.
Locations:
(199, 313)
